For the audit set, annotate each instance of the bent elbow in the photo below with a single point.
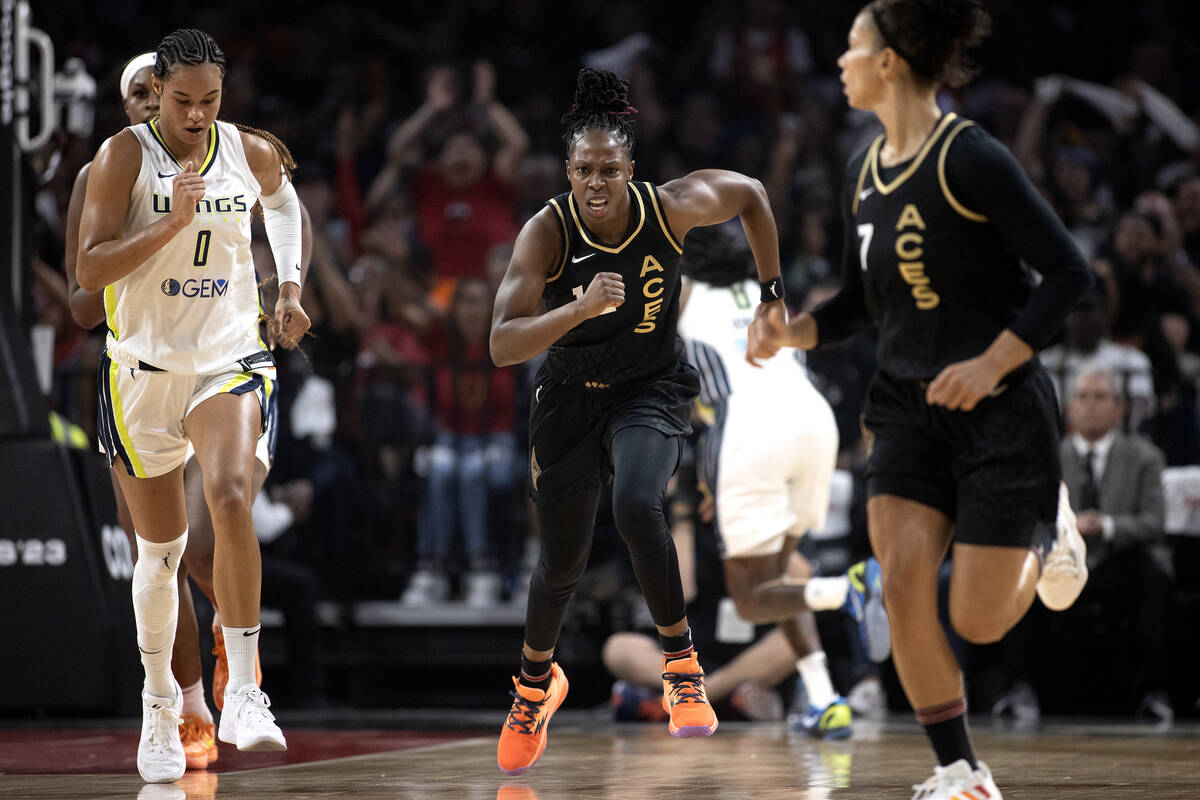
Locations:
(82, 318)
(84, 274)
(87, 282)
(500, 357)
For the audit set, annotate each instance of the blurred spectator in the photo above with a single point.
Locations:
(1085, 341)
(1187, 208)
(465, 197)
(757, 60)
(473, 462)
(1115, 483)
(1146, 283)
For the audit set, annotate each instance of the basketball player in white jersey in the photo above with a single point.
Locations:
(165, 232)
(768, 460)
(197, 731)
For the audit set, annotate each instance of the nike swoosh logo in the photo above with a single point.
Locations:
(867, 192)
(537, 395)
(575, 260)
(253, 632)
(167, 174)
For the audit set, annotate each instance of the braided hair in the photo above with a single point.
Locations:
(187, 47)
(191, 47)
(601, 103)
(285, 155)
(935, 37)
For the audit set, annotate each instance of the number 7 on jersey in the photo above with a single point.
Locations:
(865, 232)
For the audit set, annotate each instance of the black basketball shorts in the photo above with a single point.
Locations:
(994, 470)
(571, 430)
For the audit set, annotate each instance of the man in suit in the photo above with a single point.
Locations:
(1115, 482)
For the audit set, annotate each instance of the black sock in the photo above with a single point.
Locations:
(535, 674)
(674, 647)
(946, 727)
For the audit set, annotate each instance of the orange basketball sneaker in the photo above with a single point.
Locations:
(523, 737)
(221, 667)
(199, 740)
(685, 700)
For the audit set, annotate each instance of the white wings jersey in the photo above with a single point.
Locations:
(193, 306)
(714, 324)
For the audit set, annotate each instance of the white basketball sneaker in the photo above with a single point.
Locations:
(160, 757)
(958, 780)
(1065, 572)
(246, 721)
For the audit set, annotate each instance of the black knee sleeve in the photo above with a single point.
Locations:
(566, 542)
(643, 462)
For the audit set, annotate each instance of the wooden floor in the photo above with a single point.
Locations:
(592, 760)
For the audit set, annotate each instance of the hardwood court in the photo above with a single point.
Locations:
(589, 760)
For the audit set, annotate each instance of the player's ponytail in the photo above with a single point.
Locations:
(285, 155)
(935, 37)
(601, 103)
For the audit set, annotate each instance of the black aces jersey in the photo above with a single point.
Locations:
(637, 340)
(937, 276)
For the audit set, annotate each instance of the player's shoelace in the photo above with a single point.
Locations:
(930, 786)
(1061, 560)
(255, 707)
(524, 712)
(686, 687)
(163, 722)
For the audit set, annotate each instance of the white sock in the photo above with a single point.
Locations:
(826, 594)
(193, 701)
(241, 646)
(156, 609)
(815, 674)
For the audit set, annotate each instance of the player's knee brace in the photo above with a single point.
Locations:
(155, 592)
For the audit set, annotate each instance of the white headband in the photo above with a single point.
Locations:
(135, 63)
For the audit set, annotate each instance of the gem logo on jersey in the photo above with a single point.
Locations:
(204, 288)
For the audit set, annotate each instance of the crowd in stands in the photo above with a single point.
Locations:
(424, 139)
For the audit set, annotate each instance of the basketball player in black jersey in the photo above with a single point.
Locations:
(964, 420)
(594, 280)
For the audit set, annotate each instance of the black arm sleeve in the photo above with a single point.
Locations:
(985, 177)
(845, 314)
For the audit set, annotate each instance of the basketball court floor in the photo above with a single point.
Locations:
(592, 759)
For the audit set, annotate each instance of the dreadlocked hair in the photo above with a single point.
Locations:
(187, 47)
(601, 103)
(712, 256)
